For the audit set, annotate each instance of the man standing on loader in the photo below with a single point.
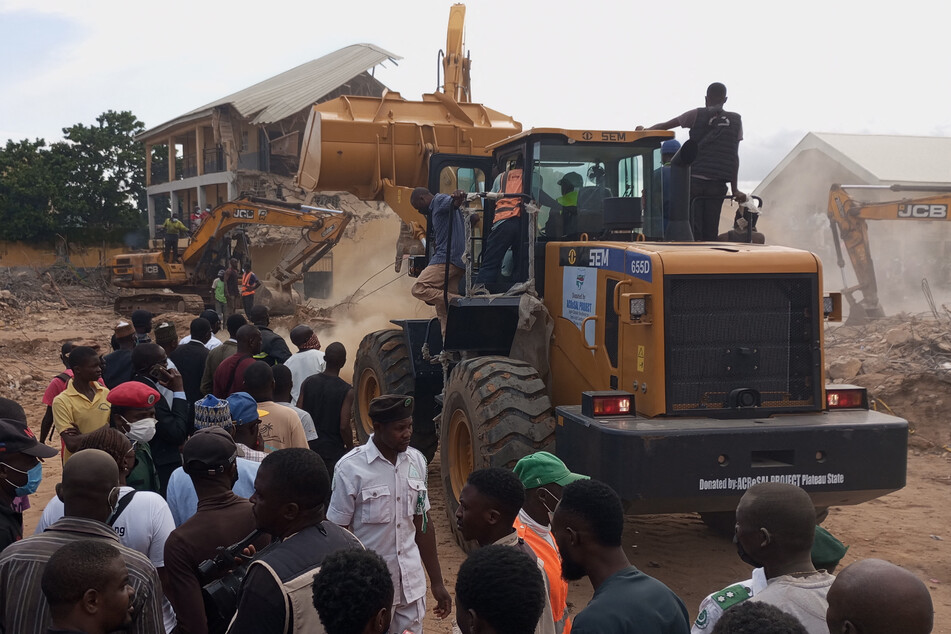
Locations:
(173, 228)
(717, 134)
(431, 286)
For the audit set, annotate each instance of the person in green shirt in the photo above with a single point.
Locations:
(218, 288)
(563, 220)
(173, 228)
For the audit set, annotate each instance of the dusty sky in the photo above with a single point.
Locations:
(790, 68)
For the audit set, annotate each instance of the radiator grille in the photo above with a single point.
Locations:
(742, 331)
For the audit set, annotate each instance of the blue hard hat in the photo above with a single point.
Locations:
(670, 146)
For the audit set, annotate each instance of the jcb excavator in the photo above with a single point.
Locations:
(848, 216)
(678, 372)
(218, 238)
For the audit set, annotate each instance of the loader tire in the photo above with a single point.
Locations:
(496, 411)
(383, 366)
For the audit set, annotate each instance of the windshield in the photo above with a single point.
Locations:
(593, 189)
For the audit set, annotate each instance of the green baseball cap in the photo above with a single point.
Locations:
(827, 551)
(541, 468)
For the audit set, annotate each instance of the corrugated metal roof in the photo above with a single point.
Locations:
(878, 158)
(293, 90)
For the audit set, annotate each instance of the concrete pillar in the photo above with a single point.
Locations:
(151, 214)
(171, 160)
(200, 157)
(202, 198)
(148, 165)
(232, 188)
(173, 199)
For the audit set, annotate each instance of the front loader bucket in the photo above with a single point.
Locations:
(278, 300)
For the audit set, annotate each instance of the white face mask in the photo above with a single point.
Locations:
(141, 430)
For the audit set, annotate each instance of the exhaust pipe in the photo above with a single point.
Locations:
(678, 230)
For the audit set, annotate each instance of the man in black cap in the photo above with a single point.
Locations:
(166, 336)
(290, 497)
(142, 322)
(272, 344)
(380, 493)
(20, 473)
(222, 518)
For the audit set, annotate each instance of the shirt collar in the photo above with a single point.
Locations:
(84, 525)
(509, 540)
(71, 389)
(373, 452)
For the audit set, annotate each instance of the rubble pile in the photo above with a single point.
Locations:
(905, 363)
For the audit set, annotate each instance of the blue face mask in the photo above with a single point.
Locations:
(33, 478)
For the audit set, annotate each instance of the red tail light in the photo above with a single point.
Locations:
(612, 403)
(850, 397)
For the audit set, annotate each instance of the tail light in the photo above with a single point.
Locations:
(846, 397)
(608, 403)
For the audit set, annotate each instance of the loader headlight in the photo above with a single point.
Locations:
(638, 307)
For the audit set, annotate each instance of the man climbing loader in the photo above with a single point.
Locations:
(680, 373)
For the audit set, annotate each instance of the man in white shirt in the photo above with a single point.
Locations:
(215, 320)
(308, 360)
(379, 491)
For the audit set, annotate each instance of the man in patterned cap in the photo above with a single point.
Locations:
(117, 365)
(386, 509)
(210, 413)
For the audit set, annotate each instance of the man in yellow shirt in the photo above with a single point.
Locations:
(82, 407)
(173, 230)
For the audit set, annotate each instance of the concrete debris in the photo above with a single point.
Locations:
(898, 336)
(845, 369)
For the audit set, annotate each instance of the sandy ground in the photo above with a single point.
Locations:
(909, 527)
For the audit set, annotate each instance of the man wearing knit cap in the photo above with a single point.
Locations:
(222, 518)
(544, 476)
(166, 336)
(379, 491)
(118, 363)
(210, 413)
(133, 413)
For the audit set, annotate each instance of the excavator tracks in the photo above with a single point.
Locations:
(159, 303)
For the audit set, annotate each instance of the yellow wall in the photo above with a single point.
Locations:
(21, 254)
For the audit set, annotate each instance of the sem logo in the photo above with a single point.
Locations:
(598, 258)
(922, 211)
(247, 214)
(587, 136)
(613, 136)
(572, 257)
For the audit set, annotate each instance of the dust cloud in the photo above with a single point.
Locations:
(903, 252)
(367, 291)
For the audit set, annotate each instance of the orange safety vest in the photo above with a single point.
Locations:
(509, 207)
(246, 283)
(557, 587)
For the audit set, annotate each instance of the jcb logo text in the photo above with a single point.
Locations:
(922, 211)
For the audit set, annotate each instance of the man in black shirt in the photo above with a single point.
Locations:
(291, 492)
(190, 361)
(272, 344)
(117, 365)
(587, 527)
(20, 471)
(329, 401)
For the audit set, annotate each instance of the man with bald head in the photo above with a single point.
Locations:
(873, 596)
(89, 491)
(775, 526)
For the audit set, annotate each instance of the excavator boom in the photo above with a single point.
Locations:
(847, 219)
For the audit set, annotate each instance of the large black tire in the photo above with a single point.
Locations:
(496, 411)
(383, 366)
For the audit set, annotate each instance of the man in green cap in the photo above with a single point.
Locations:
(543, 476)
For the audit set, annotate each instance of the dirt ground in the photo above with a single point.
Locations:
(909, 527)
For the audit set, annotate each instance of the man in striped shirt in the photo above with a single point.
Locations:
(90, 492)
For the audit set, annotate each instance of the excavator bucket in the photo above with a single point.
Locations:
(278, 300)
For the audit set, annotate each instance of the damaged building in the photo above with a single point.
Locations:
(246, 141)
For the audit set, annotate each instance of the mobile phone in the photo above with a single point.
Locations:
(158, 372)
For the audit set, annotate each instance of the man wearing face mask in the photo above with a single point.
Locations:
(20, 474)
(133, 414)
(543, 475)
(90, 492)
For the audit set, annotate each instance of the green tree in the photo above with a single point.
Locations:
(26, 187)
(100, 176)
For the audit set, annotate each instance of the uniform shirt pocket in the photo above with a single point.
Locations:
(416, 502)
(377, 503)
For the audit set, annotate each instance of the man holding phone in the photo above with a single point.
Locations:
(171, 411)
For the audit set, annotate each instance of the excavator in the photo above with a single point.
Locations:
(219, 238)
(847, 218)
(678, 372)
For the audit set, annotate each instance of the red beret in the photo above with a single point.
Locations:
(133, 394)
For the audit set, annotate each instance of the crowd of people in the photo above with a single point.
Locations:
(213, 486)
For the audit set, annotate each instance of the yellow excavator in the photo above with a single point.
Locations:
(220, 237)
(847, 218)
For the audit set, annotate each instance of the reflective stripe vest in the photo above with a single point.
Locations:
(558, 587)
(246, 284)
(509, 207)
